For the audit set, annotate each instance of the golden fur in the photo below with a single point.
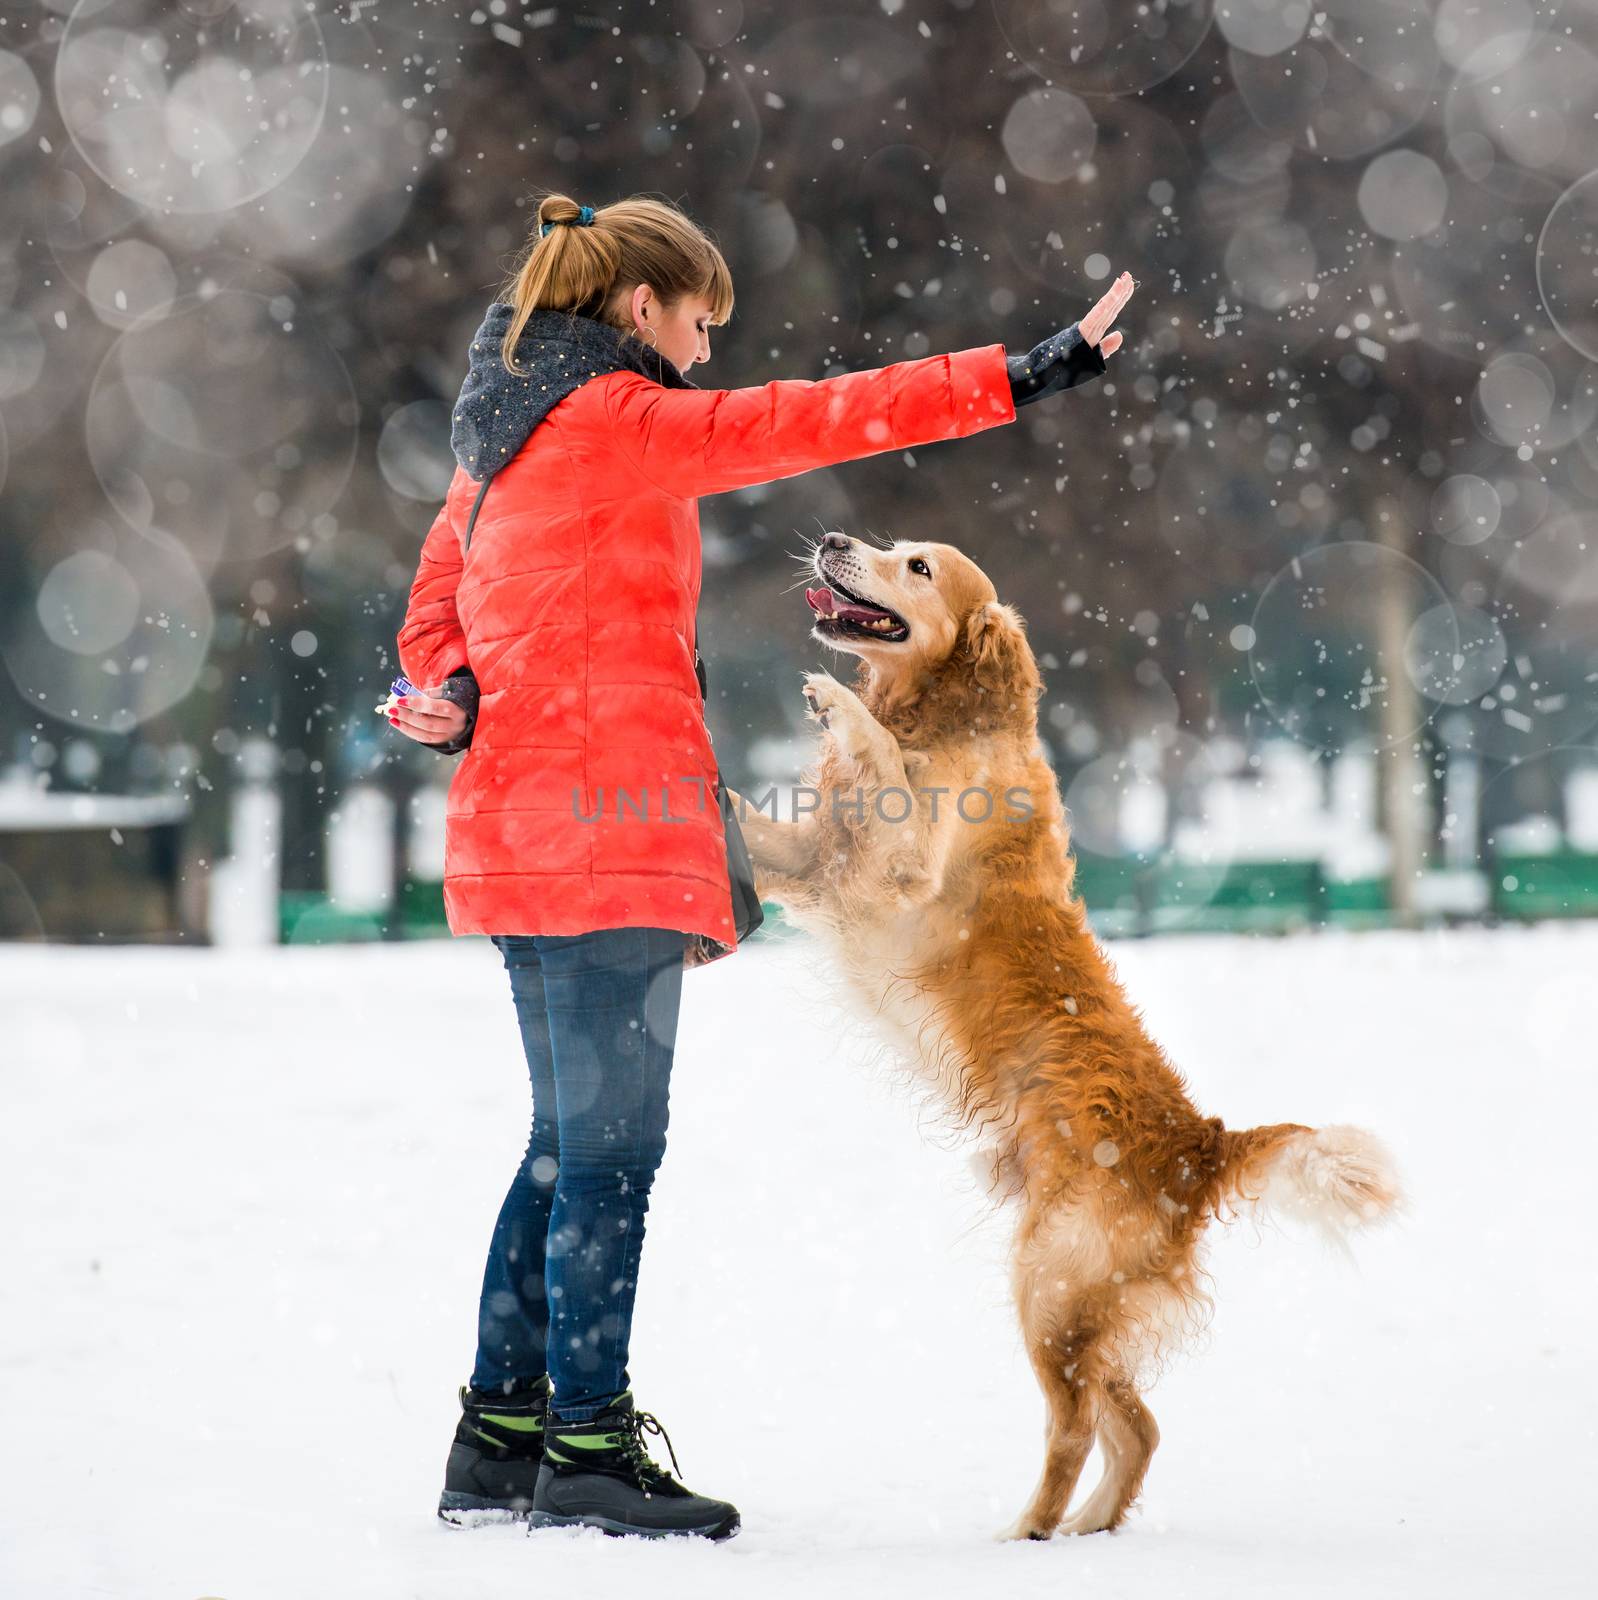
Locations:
(964, 939)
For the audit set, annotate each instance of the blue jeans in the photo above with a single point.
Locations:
(598, 1014)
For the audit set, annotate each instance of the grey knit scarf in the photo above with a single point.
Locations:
(558, 352)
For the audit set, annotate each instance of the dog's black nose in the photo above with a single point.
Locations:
(835, 541)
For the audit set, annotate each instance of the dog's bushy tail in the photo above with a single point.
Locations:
(1337, 1179)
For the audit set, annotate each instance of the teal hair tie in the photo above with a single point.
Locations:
(584, 219)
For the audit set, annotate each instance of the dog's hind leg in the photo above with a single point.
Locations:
(1128, 1438)
(1062, 1357)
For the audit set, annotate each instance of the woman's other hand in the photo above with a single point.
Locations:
(443, 718)
(428, 718)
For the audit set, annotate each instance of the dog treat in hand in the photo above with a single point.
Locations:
(401, 685)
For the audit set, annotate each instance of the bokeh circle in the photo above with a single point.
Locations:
(1330, 654)
(1100, 47)
(230, 421)
(118, 632)
(196, 107)
(1567, 265)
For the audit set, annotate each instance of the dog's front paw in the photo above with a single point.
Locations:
(854, 732)
(819, 698)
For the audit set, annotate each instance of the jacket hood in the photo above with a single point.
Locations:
(558, 351)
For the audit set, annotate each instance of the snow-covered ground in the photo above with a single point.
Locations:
(246, 1197)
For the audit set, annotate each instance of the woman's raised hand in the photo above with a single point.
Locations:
(1095, 324)
(1074, 354)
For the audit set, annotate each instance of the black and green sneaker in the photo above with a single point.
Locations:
(598, 1475)
(494, 1461)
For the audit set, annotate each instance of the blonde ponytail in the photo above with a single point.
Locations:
(589, 261)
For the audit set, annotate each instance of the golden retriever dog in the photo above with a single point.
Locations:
(932, 855)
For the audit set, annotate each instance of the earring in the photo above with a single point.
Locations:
(654, 342)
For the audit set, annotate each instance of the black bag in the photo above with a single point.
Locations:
(747, 912)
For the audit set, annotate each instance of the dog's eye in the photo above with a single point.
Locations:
(918, 565)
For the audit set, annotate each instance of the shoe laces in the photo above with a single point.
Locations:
(633, 1425)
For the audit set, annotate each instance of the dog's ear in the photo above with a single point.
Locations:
(1000, 657)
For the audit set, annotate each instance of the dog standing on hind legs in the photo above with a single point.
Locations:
(960, 936)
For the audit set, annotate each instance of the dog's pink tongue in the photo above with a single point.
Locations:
(825, 602)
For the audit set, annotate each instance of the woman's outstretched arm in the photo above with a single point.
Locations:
(695, 442)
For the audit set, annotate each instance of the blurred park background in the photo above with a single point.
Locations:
(1311, 570)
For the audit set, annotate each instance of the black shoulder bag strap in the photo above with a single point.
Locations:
(471, 521)
(747, 911)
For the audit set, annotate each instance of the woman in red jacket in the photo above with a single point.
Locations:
(581, 831)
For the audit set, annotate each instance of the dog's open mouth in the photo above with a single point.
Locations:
(840, 613)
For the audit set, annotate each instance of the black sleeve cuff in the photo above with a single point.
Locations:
(1059, 363)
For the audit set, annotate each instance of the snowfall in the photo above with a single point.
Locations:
(247, 1195)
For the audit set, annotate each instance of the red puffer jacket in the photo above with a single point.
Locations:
(586, 798)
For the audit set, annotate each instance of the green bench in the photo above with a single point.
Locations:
(1133, 895)
(1560, 883)
(306, 916)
